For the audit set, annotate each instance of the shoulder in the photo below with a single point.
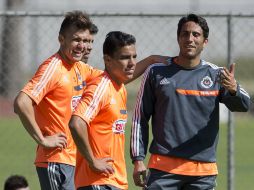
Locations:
(101, 80)
(156, 66)
(210, 65)
(50, 66)
(89, 71)
(161, 65)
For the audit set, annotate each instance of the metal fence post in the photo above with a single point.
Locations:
(231, 132)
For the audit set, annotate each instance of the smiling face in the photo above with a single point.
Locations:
(75, 44)
(191, 40)
(122, 64)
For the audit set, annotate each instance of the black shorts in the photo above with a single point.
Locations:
(56, 176)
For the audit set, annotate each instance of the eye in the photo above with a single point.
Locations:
(184, 33)
(76, 40)
(123, 57)
(196, 34)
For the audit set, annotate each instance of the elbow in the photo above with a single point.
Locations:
(246, 106)
(73, 123)
(76, 125)
(246, 109)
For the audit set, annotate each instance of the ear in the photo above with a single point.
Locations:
(61, 39)
(205, 42)
(106, 59)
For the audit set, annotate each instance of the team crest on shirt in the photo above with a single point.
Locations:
(74, 102)
(206, 82)
(119, 126)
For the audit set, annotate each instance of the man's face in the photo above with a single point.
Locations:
(75, 44)
(191, 40)
(89, 47)
(122, 65)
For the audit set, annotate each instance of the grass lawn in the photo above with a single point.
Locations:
(18, 151)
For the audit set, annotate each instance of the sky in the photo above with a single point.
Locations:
(137, 6)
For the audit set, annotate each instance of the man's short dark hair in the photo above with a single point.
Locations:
(14, 182)
(115, 40)
(94, 29)
(80, 20)
(194, 18)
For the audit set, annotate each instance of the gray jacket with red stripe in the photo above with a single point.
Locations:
(184, 108)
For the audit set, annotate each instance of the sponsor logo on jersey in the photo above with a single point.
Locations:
(119, 126)
(164, 81)
(74, 102)
(206, 82)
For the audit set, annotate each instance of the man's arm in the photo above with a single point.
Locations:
(79, 133)
(140, 130)
(143, 64)
(24, 107)
(235, 97)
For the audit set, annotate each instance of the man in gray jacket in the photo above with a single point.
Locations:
(183, 100)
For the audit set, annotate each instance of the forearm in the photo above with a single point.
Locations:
(79, 133)
(139, 141)
(239, 102)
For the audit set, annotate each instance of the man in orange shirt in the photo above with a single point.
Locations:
(46, 102)
(98, 122)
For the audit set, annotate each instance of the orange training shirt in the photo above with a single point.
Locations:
(182, 166)
(103, 108)
(56, 89)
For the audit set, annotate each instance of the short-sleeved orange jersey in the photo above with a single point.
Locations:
(56, 88)
(103, 108)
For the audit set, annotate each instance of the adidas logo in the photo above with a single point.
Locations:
(164, 81)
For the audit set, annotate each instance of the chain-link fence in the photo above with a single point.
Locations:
(29, 38)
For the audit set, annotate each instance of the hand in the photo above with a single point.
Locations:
(57, 140)
(103, 166)
(227, 79)
(139, 174)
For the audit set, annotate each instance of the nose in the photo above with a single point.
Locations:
(81, 45)
(190, 37)
(90, 46)
(132, 61)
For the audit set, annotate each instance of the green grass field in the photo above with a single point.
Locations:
(18, 151)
